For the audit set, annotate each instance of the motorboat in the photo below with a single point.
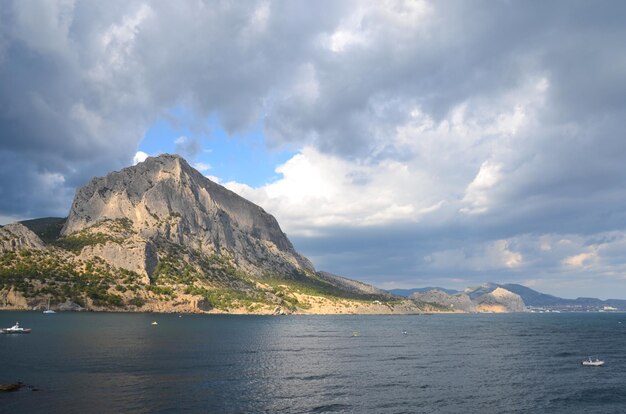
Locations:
(155, 323)
(15, 329)
(593, 362)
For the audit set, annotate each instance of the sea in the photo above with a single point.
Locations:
(470, 363)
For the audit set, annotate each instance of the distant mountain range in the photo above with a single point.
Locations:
(531, 297)
(408, 292)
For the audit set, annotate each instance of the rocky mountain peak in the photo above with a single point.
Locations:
(165, 199)
(501, 300)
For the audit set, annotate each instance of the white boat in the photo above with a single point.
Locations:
(48, 310)
(155, 323)
(15, 329)
(593, 362)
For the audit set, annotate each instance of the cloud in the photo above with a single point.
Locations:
(188, 147)
(477, 192)
(201, 166)
(426, 126)
(579, 260)
(140, 156)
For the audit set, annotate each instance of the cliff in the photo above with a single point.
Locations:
(163, 199)
(161, 237)
(16, 236)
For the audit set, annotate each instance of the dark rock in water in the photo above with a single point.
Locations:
(10, 387)
(16, 386)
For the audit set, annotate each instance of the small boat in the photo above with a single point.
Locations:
(356, 333)
(48, 310)
(593, 362)
(15, 329)
(405, 333)
(155, 323)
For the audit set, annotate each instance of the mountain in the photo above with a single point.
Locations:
(532, 297)
(164, 200)
(474, 300)
(159, 236)
(409, 292)
(355, 286)
(500, 300)
(513, 298)
(457, 301)
(541, 300)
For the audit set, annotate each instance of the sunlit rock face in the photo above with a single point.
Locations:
(164, 199)
(500, 300)
(16, 236)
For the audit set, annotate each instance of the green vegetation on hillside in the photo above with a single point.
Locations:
(117, 230)
(62, 276)
(37, 273)
(310, 284)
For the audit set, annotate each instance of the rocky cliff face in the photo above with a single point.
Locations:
(16, 236)
(163, 199)
(500, 300)
(496, 300)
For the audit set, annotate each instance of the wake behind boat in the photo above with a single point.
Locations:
(593, 362)
(15, 329)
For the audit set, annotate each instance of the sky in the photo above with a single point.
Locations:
(401, 143)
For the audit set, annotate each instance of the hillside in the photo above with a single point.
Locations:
(159, 236)
(498, 300)
(409, 292)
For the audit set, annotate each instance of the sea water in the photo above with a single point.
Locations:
(481, 363)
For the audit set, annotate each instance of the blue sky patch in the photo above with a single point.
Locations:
(242, 157)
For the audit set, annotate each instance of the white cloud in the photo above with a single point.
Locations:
(52, 179)
(9, 219)
(214, 179)
(477, 193)
(140, 156)
(201, 166)
(428, 177)
(117, 44)
(319, 190)
(481, 257)
(580, 260)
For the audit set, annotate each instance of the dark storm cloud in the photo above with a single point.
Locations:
(80, 83)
